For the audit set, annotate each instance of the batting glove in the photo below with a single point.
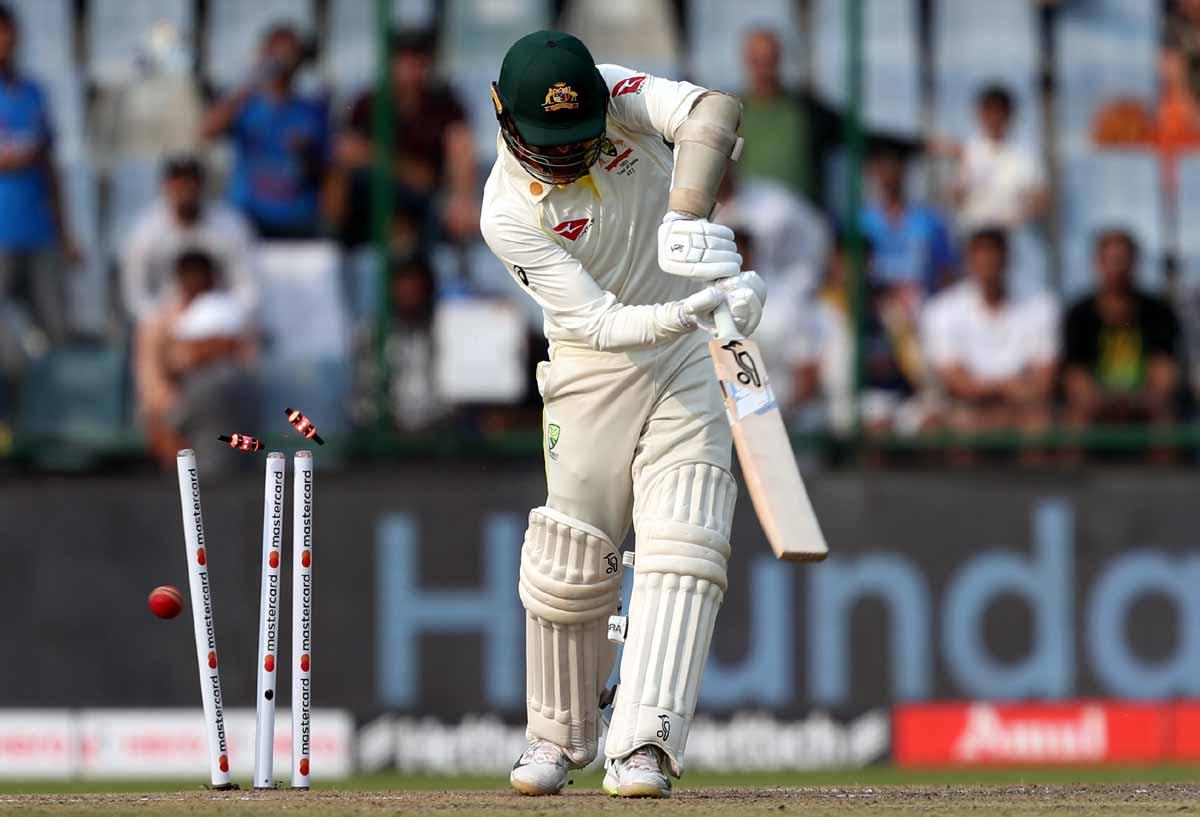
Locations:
(697, 248)
(745, 294)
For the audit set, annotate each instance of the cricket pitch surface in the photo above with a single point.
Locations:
(1018, 800)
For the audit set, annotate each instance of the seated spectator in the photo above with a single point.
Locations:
(191, 365)
(1121, 346)
(36, 248)
(1000, 183)
(994, 356)
(183, 219)
(280, 142)
(433, 152)
(911, 242)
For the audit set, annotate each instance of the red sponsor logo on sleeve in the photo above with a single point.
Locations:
(571, 229)
(629, 85)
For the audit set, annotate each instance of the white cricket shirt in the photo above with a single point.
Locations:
(587, 252)
(959, 328)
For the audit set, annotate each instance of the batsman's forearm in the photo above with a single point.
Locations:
(704, 144)
(620, 328)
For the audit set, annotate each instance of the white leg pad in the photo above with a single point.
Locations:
(570, 584)
(678, 584)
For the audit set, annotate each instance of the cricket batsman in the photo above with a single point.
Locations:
(598, 205)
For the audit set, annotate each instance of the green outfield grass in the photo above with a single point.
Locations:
(867, 777)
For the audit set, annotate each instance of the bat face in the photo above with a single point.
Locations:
(765, 452)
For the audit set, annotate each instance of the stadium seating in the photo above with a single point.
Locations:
(716, 51)
(46, 26)
(65, 96)
(640, 34)
(1029, 266)
(1187, 215)
(413, 13)
(118, 31)
(46, 53)
(1105, 49)
(977, 42)
(475, 35)
(90, 295)
(305, 363)
(134, 186)
(891, 73)
(1111, 189)
(235, 27)
(349, 52)
(75, 404)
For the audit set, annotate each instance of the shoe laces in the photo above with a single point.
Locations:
(542, 751)
(644, 759)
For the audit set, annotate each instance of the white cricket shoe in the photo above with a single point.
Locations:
(541, 769)
(639, 774)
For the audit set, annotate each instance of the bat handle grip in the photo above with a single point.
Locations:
(723, 319)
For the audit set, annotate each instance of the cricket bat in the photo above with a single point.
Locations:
(763, 447)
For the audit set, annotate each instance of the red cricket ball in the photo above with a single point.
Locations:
(166, 601)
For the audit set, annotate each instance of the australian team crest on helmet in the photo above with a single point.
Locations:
(560, 97)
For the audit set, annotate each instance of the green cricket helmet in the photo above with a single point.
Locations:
(551, 103)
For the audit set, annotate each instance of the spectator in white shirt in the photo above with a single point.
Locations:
(999, 182)
(182, 220)
(995, 357)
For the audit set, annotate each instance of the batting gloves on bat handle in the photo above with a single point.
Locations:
(745, 293)
(697, 248)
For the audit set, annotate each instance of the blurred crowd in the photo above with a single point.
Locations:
(260, 233)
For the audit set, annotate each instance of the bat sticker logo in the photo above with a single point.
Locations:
(749, 369)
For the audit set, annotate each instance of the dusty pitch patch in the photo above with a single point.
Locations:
(932, 801)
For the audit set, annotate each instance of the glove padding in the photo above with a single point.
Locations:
(745, 293)
(697, 248)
